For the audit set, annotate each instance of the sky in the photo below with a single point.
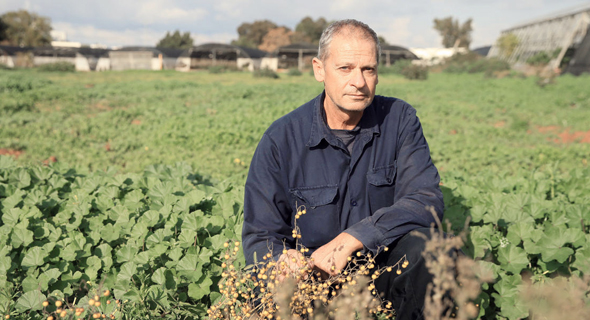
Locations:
(405, 23)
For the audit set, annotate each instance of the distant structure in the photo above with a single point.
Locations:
(482, 51)
(563, 33)
(391, 53)
(220, 54)
(434, 56)
(296, 55)
(141, 58)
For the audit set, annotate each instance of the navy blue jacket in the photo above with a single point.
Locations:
(376, 194)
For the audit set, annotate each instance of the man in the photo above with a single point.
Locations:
(359, 165)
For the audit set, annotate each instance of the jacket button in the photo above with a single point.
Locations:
(353, 203)
(388, 180)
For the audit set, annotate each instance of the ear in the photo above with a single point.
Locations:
(318, 69)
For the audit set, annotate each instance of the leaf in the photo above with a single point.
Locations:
(13, 200)
(479, 242)
(34, 257)
(21, 236)
(198, 291)
(159, 276)
(190, 268)
(94, 264)
(553, 243)
(6, 162)
(127, 271)
(134, 197)
(20, 177)
(582, 261)
(110, 233)
(215, 223)
(142, 258)
(157, 295)
(30, 301)
(215, 242)
(521, 231)
(11, 216)
(31, 283)
(5, 264)
(41, 173)
(126, 253)
(196, 196)
(160, 190)
(205, 255)
(513, 258)
(175, 254)
(506, 289)
(516, 310)
(193, 221)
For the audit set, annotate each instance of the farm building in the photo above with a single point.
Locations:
(297, 55)
(564, 36)
(390, 54)
(84, 59)
(220, 54)
(143, 58)
(16, 56)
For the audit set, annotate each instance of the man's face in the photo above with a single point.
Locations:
(349, 72)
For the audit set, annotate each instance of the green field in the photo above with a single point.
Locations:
(513, 156)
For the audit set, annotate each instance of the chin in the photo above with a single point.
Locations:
(354, 107)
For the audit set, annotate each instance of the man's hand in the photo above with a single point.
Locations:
(291, 263)
(332, 257)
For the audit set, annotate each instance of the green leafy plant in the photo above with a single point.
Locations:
(265, 73)
(415, 72)
(396, 68)
(57, 67)
(294, 72)
(150, 238)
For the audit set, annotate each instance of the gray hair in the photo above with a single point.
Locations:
(340, 26)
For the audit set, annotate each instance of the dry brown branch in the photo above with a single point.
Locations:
(457, 279)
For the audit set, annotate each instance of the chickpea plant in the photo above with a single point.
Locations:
(259, 291)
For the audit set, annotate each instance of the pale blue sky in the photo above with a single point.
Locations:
(406, 23)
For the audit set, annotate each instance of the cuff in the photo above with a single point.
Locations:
(365, 232)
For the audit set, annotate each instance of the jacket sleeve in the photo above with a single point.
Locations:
(267, 214)
(416, 189)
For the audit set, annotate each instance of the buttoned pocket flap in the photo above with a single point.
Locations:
(316, 196)
(382, 176)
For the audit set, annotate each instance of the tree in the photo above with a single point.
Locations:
(312, 29)
(276, 38)
(251, 34)
(25, 29)
(298, 37)
(176, 40)
(507, 43)
(382, 41)
(452, 33)
(3, 28)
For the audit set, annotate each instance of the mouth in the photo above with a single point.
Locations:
(357, 96)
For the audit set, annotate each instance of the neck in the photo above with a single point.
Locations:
(340, 119)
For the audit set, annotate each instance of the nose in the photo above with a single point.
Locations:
(358, 78)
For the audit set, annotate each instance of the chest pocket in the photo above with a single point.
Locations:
(321, 222)
(381, 186)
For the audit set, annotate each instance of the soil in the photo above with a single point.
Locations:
(499, 124)
(11, 152)
(565, 136)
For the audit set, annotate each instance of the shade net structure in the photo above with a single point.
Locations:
(559, 35)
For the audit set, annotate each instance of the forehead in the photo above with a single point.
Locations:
(351, 45)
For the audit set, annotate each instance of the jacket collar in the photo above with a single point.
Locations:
(320, 130)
